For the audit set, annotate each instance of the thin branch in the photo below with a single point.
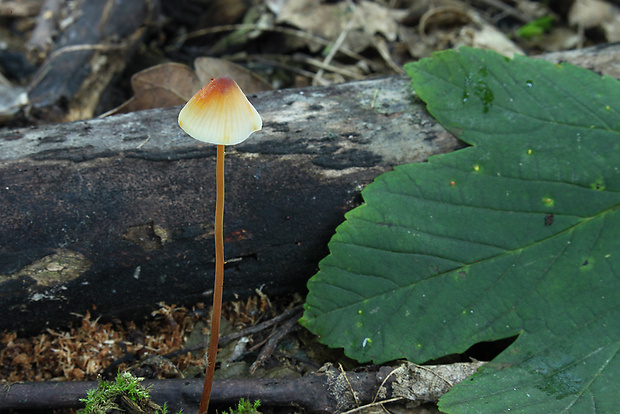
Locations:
(334, 49)
(293, 32)
(507, 10)
(271, 344)
(373, 404)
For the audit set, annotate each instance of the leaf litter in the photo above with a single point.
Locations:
(91, 347)
(297, 43)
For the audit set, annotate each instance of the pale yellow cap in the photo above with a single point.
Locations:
(220, 114)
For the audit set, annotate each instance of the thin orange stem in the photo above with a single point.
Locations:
(218, 288)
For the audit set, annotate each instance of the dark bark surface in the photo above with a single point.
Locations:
(116, 214)
(310, 392)
(328, 391)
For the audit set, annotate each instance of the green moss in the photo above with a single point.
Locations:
(245, 407)
(125, 391)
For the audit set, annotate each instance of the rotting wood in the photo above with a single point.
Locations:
(114, 215)
(328, 391)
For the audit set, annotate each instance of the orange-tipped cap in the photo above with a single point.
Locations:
(220, 114)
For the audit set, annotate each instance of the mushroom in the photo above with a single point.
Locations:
(219, 114)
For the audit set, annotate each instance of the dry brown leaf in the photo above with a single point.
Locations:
(486, 36)
(559, 38)
(456, 26)
(324, 20)
(533, 9)
(612, 26)
(328, 20)
(375, 18)
(168, 84)
(589, 13)
(208, 68)
(586, 14)
(412, 40)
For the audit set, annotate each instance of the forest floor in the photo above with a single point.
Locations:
(270, 44)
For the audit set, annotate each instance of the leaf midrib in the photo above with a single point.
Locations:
(475, 262)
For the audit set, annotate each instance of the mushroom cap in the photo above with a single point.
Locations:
(220, 114)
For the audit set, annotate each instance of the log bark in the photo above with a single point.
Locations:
(114, 215)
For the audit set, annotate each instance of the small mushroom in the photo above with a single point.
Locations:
(219, 114)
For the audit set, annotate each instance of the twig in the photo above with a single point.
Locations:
(335, 69)
(344, 374)
(277, 29)
(298, 57)
(310, 392)
(244, 332)
(384, 381)
(278, 61)
(374, 404)
(334, 49)
(506, 9)
(261, 326)
(271, 344)
(382, 48)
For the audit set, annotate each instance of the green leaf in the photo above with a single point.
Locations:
(518, 234)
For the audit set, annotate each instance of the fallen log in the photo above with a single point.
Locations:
(327, 391)
(115, 215)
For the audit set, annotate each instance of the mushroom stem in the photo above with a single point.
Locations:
(218, 287)
(220, 114)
